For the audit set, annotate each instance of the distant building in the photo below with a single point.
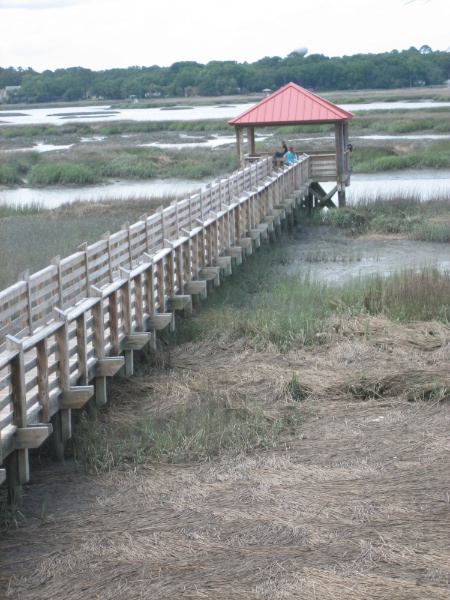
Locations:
(5, 92)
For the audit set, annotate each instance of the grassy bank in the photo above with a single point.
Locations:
(399, 213)
(92, 165)
(182, 408)
(114, 128)
(31, 236)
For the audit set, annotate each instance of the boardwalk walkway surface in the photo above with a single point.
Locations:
(67, 328)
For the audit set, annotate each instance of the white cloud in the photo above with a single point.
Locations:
(103, 34)
(36, 4)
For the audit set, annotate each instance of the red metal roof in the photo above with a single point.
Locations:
(292, 104)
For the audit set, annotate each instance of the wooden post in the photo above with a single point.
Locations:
(17, 465)
(82, 349)
(100, 395)
(239, 146)
(251, 140)
(125, 293)
(25, 276)
(340, 170)
(42, 378)
(62, 354)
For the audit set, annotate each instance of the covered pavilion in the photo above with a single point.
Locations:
(294, 105)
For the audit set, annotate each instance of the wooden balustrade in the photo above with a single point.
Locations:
(67, 328)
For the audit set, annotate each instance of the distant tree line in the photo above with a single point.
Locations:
(413, 67)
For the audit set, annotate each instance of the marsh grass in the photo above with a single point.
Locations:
(10, 515)
(268, 308)
(114, 128)
(197, 430)
(321, 255)
(260, 308)
(31, 236)
(259, 312)
(397, 122)
(91, 165)
(15, 166)
(432, 232)
(397, 213)
(409, 295)
(370, 159)
(47, 174)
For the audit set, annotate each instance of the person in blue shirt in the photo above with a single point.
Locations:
(279, 154)
(289, 156)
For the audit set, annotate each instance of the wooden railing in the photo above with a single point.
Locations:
(67, 328)
(322, 165)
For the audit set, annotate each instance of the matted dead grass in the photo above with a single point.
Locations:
(353, 503)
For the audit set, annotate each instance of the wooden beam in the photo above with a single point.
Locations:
(179, 302)
(236, 254)
(269, 220)
(255, 235)
(197, 287)
(224, 264)
(31, 437)
(263, 229)
(135, 341)
(107, 367)
(76, 397)
(211, 274)
(159, 321)
(246, 245)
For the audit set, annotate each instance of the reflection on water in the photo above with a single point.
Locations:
(422, 184)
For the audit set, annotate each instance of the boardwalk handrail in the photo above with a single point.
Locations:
(66, 328)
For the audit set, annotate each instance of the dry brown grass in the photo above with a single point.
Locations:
(351, 503)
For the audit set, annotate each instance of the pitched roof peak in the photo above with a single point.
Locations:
(292, 104)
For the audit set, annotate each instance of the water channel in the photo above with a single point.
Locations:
(35, 116)
(426, 184)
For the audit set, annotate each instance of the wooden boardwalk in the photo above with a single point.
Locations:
(67, 328)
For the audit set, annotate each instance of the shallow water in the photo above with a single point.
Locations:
(53, 116)
(114, 190)
(421, 184)
(425, 184)
(328, 255)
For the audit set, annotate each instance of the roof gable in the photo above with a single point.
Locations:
(292, 104)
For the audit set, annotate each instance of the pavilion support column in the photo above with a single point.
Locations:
(251, 140)
(340, 163)
(240, 145)
(347, 156)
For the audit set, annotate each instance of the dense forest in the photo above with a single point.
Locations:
(395, 69)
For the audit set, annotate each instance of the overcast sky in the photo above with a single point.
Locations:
(103, 34)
